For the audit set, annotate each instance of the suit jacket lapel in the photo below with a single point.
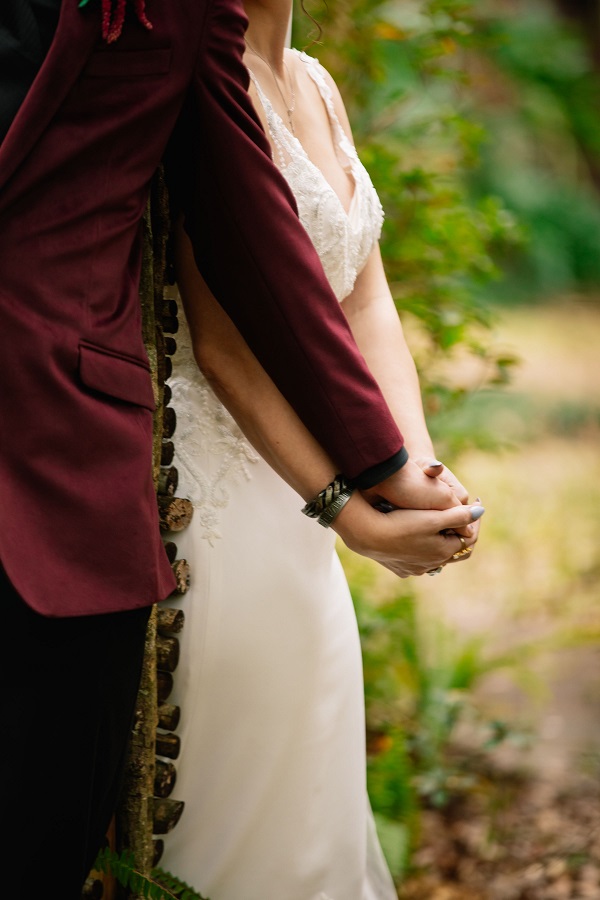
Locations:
(76, 33)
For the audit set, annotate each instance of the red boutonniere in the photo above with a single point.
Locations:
(113, 16)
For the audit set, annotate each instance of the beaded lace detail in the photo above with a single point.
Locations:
(211, 451)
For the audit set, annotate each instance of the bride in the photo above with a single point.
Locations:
(272, 768)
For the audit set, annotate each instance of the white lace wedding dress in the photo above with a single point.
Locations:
(272, 763)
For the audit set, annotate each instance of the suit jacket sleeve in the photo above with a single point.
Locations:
(262, 267)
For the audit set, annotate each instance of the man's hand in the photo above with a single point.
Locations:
(407, 541)
(411, 488)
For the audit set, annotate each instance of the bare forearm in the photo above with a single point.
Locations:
(378, 333)
(268, 421)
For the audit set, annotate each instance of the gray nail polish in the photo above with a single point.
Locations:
(435, 462)
(476, 512)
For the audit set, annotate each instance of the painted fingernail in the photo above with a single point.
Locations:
(435, 462)
(476, 512)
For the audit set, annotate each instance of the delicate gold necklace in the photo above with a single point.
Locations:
(289, 108)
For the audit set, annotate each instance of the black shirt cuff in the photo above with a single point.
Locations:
(378, 473)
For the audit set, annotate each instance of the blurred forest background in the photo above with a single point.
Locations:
(479, 123)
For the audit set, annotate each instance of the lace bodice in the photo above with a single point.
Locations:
(342, 239)
(211, 451)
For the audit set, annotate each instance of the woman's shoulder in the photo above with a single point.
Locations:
(325, 81)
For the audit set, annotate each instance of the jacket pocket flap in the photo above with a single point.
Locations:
(118, 376)
(128, 63)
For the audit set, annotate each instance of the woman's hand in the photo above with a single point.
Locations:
(436, 469)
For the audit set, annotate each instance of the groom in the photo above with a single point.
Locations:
(86, 114)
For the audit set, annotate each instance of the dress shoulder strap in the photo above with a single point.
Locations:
(317, 72)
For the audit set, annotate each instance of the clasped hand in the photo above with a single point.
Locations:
(429, 521)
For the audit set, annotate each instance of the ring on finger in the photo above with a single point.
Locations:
(464, 550)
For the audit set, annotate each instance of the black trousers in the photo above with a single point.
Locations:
(69, 690)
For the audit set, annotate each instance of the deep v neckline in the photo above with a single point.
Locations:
(343, 238)
(353, 199)
(291, 138)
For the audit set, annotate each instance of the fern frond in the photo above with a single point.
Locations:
(159, 885)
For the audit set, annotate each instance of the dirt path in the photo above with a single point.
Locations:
(541, 842)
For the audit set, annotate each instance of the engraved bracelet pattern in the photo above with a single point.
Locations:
(329, 502)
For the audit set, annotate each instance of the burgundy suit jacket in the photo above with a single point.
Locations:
(78, 519)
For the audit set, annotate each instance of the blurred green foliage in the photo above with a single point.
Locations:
(537, 93)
